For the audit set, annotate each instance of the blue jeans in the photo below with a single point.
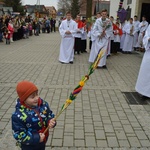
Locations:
(40, 146)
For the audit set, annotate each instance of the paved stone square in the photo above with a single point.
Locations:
(100, 118)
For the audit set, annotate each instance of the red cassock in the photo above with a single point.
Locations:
(115, 27)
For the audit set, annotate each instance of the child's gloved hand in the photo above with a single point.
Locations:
(52, 123)
(42, 136)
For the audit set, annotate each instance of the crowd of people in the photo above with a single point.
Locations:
(109, 36)
(13, 28)
(121, 37)
(104, 32)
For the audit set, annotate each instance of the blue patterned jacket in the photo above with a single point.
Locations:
(28, 122)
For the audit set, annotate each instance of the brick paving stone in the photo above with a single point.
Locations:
(141, 135)
(96, 118)
(79, 134)
(3, 124)
(145, 143)
(89, 128)
(121, 135)
(134, 142)
(102, 143)
(79, 143)
(124, 143)
(69, 127)
(68, 141)
(116, 124)
(99, 119)
(100, 134)
(90, 141)
(112, 142)
(114, 118)
(57, 142)
(108, 128)
(104, 113)
(58, 133)
(79, 123)
(128, 128)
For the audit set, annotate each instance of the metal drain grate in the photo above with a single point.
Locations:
(133, 98)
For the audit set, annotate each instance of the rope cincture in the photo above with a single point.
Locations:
(82, 82)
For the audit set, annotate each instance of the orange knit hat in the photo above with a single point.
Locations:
(25, 89)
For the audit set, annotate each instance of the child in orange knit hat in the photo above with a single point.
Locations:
(31, 117)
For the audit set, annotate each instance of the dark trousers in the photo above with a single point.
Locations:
(20, 32)
(7, 41)
(116, 47)
(40, 146)
(77, 45)
(48, 29)
(90, 44)
(83, 46)
(1, 36)
(112, 46)
(53, 28)
(14, 36)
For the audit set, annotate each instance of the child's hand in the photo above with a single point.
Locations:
(52, 123)
(42, 136)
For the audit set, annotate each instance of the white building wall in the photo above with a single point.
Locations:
(114, 5)
(133, 8)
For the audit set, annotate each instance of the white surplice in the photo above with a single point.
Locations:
(128, 42)
(67, 42)
(142, 28)
(104, 41)
(136, 30)
(123, 26)
(143, 80)
(92, 55)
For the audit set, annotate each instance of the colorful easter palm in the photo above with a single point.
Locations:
(78, 89)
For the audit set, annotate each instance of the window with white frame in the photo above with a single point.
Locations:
(129, 2)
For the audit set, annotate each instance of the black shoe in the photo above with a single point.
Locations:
(104, 67)
(98, 67)
(124, 52)
(71, 62)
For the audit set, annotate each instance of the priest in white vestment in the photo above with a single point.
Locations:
(67, 30)
(103, 31)
(143, 81)
(93, 55)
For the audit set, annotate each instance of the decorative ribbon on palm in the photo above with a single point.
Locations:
(78, 89)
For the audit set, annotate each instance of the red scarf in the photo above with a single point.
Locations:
(115, 27)
(80, 24)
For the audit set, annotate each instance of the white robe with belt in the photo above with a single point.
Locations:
(67, 42)
(123, 35)
(104, 41)
(142, 29)
(92, 52)
(128, 42)
(143, 80)
(136, 29)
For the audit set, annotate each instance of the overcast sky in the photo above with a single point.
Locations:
(42, 2)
